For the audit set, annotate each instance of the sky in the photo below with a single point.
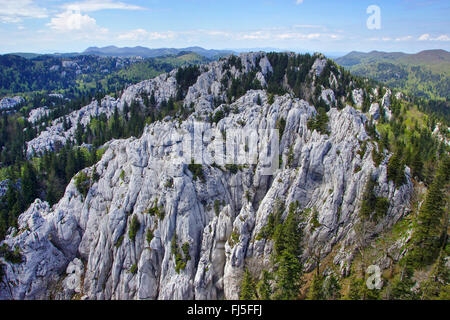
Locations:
(329, 26)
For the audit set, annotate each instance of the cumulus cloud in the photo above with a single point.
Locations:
(14, 11)
(74, 21)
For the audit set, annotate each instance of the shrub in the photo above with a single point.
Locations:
(169, 183)
(319, 123)
(119, 242)
(281, 125)
(233, 168)
(185, 248)
(157, 211)
(219, 115)
(258, 100)
(377, 156)
(315, 220)
(197, 171)
(217, 207)
(82, 183)
(134, 228)
(381, 207)
(149, 236)
(14, 257)
(234, 238)
(373, 207)
(180, 261)
(363, 149)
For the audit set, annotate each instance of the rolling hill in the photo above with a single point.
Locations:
(152, 53)
(424, 74)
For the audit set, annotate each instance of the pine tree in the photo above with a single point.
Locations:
(332, 288)
(288, 277)
(401, 286)
(248, 287)
(436, 287)
(264, 287)
(355, 289)
(427, 235)
(29, 183)
(288, 237)
(316, 291)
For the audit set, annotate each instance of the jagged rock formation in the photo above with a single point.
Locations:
(37, 114)
(55, 135)
(150, 228)
(9, 103)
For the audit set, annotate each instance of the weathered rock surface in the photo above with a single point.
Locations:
(55, 135)
(9, 103)
(37, 114)
(82, 246)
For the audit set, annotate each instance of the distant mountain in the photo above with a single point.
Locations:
(26, 55)
(424, 74)
(152, 53)
(428, 57)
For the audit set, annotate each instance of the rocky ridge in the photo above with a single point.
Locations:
(90, 248)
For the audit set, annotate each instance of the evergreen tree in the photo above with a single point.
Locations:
(437, 286)
(288, 277)
(428, 231)
(401, 286)
(288, 237)
(264, 287)
(355, 289)
(316, 291)
(332, 288)
(30, 184)
(248, 287)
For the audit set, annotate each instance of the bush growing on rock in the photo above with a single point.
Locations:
(134, 228)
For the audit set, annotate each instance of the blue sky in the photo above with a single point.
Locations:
(301, 25)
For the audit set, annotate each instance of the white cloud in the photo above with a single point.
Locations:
(162, 35)
(14, 11)
(308, 26)
(405, 38)
(427, 37)
(299, 1)
(442, 37)
(134, 35)
(97, 5)
(75, 19)
(255, 35)
(143, 35)
(424, 37)
(72, 21)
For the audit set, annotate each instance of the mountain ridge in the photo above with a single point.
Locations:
(424, 74)
(151, 53)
